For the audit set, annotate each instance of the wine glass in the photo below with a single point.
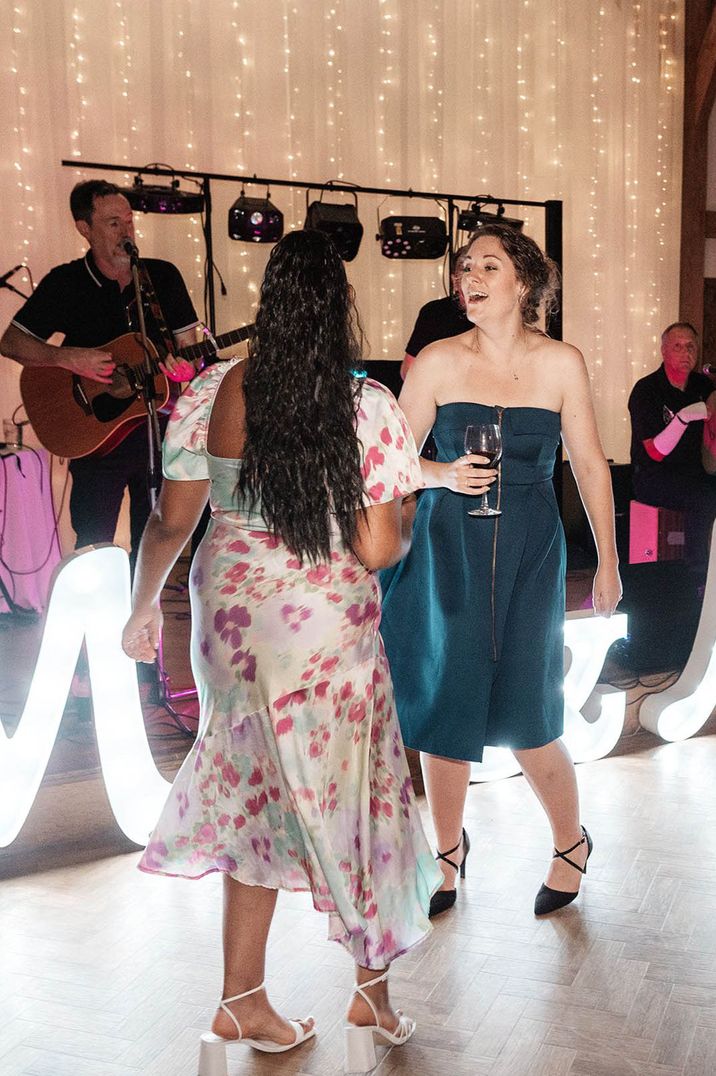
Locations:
(484, 439)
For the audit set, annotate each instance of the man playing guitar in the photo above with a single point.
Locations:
(91, 301)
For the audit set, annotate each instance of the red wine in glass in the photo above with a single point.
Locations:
(484, 439)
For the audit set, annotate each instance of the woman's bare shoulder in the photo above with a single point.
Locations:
(562, 357)
(548, 346)
(433, 356)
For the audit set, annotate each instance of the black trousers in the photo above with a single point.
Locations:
(98, 485)
(694, 495)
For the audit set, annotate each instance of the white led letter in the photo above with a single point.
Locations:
(679, 711)
(593, 717)
(90, 599)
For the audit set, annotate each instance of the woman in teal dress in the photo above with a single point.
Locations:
(473, 617)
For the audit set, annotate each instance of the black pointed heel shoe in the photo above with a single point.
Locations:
(445, 898)
(550, 900)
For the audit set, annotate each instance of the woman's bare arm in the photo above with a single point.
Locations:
(384, 532)
(418, 399)
(590, 469)
(170, 525)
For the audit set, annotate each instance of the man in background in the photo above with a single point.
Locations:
(91, 301)
(440, 318)
(673, 446)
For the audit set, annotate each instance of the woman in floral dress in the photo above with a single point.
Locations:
(298, 778)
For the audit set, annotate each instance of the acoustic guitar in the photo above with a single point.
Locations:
(74, 416)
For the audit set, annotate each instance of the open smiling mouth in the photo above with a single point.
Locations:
(476, 296)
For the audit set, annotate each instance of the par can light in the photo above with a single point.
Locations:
(469, 220)
(412, 237)
(255, 220)
(340, 221)
(160, 198)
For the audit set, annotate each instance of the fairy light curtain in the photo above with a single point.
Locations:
(572, 99)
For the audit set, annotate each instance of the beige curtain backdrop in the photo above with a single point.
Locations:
(535, 99)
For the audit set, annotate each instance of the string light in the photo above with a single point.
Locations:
(477, 97)
(22, 165)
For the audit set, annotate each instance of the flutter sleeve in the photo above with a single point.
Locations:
(390, 461)
(184, 450)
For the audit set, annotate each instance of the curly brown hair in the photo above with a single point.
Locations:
(302, 461)
(537, 272)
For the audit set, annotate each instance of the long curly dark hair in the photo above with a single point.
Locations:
(302, 462)
(534, 269)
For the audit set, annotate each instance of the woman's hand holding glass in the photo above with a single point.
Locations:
(485, 440)
(468, 474)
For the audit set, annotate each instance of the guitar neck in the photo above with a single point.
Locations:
(214, 344)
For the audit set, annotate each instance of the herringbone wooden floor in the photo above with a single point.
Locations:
(108, 972)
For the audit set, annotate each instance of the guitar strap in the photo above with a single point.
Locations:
(156, 310)
(164, 331)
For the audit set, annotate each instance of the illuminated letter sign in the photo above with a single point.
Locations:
(89, 600)
(593, 717)
(680, 710)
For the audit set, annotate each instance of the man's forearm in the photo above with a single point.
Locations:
(28, 350)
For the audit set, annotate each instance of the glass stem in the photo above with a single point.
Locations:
(484, 504)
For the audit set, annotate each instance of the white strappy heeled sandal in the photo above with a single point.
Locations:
(212, 1051)
(360, 1041)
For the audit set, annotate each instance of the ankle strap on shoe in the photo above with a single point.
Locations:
(360, 989)
(224, 1004)
(565, 854)
(450, 852)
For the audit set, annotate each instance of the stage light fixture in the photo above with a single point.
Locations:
(340, 221)
(412, 237)
(469, 220)
(163, 198)
(255, 220)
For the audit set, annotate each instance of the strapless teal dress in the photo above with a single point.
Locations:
(473, 617)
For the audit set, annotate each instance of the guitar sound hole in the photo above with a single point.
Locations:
(106, 408)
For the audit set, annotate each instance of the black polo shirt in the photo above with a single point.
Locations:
(646, 406)
(437, 320)
(78, 300)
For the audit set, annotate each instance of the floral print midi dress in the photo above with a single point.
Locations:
(298, 778)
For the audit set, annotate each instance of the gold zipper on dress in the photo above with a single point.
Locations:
(499, 411)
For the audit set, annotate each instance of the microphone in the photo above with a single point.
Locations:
(11, 272)
(129, 248)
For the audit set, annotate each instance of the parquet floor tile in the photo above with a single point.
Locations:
(105, 971)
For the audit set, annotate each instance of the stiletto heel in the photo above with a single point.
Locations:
(465, 850)
(550, 900)
(360, 1041)
(212, 1048)
(445, 898)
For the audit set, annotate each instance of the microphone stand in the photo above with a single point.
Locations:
(154, 445)
(5, 280)
(147, 388)
(11, 287)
